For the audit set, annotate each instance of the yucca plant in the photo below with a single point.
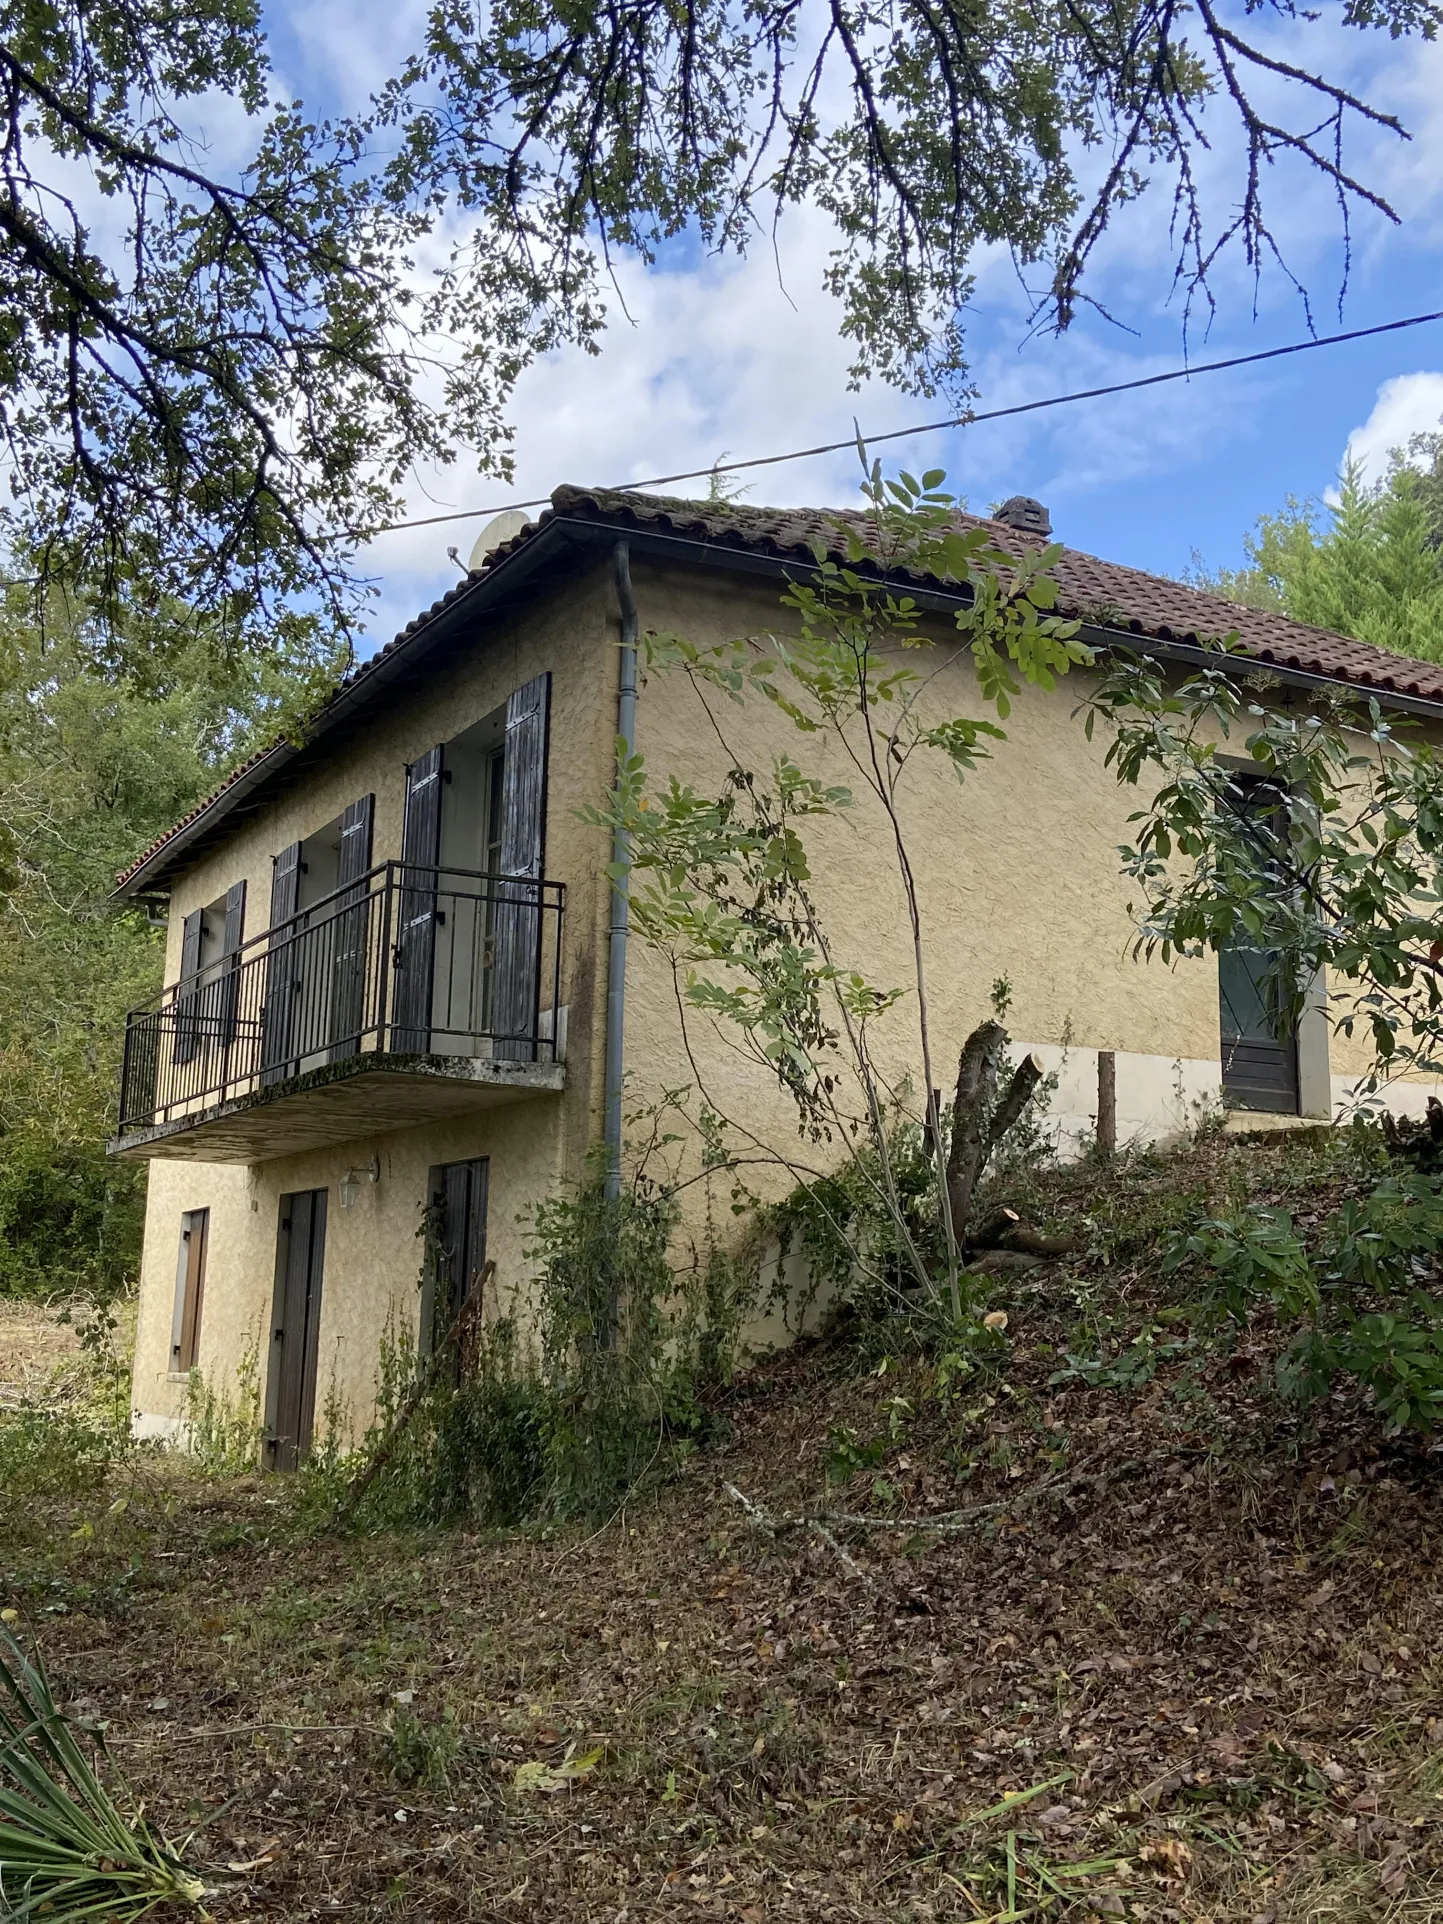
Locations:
(66, 1852)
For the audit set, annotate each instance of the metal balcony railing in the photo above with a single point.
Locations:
(407, 960)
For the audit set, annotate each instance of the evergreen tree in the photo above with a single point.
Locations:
(1369, 564)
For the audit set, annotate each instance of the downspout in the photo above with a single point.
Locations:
(620, 879)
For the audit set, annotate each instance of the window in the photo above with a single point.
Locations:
(189, 1291)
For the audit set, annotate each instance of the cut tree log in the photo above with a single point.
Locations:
(979, 1119)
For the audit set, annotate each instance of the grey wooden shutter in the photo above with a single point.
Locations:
(227, 988)
(416, 907)
(282, 966)
(516, 954)
(351, 943)
(187, 1001)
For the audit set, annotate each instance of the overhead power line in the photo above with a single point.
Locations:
(929, 427)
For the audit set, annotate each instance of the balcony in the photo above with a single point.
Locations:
(409, 995)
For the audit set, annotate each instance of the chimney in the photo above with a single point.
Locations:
(1026, 515)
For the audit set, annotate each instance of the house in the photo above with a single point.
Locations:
(391, 948)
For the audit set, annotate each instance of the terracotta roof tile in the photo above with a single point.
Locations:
(1103, 593)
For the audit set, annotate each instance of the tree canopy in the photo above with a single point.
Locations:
(212, 382)
(92, 766)
(1369, 563)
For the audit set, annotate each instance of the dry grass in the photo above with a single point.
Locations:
(35, 1348)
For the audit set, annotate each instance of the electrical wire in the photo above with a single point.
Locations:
(924, 427)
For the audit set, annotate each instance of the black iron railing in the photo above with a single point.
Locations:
(407, 960)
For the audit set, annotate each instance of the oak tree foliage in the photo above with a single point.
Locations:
(214, 377)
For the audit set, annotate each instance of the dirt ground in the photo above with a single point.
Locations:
(1161, 1649)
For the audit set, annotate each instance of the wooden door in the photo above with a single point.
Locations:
(295, 1328)
(1259, 1044)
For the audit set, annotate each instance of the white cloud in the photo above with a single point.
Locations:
(1409, 404)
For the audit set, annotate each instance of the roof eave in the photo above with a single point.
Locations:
(564, 530)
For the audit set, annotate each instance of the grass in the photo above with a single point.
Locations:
(1204, 1623)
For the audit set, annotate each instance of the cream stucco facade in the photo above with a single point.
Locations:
(1017, 870)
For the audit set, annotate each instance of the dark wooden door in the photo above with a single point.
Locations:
(1259, 1044)
(295, 1328)
(516, 943)
(415, 937)
(1260, 1065)
(457, 1197)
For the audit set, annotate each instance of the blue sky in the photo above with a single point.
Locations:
(719, 358)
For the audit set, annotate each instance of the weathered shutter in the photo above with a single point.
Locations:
(351, 940)
(190, 1289)
(356, 823)
(187, 1000)
(282, 966)
(416, 906)
(516, 957)
(227, 988)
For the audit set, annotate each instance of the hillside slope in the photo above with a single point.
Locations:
(1099, 1626)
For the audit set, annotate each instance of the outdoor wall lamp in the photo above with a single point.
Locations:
(353, 1178)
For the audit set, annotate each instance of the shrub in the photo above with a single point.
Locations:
(1357, 1289)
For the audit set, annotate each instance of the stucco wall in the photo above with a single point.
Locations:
(1018, 875)
(372, 1251)
(373, 1256)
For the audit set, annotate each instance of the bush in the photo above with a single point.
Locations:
(1355, 1283)
(567, 1423)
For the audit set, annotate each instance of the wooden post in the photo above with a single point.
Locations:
(1106, 1102)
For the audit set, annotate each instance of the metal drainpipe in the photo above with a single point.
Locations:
(621, 880)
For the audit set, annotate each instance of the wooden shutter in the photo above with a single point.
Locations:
(189, 1290)
(356, 839)
(457, 1197)
(416, 906)
(523, 779)
(351, 942)
(228, 985)
(282, 965)
(516, 965)
(187, 1001)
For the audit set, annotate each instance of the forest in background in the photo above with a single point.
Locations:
(94, 764)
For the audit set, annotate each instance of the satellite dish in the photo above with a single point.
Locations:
(501, 527)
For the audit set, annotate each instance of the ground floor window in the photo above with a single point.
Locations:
(295, 1328)
(189, 1290)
